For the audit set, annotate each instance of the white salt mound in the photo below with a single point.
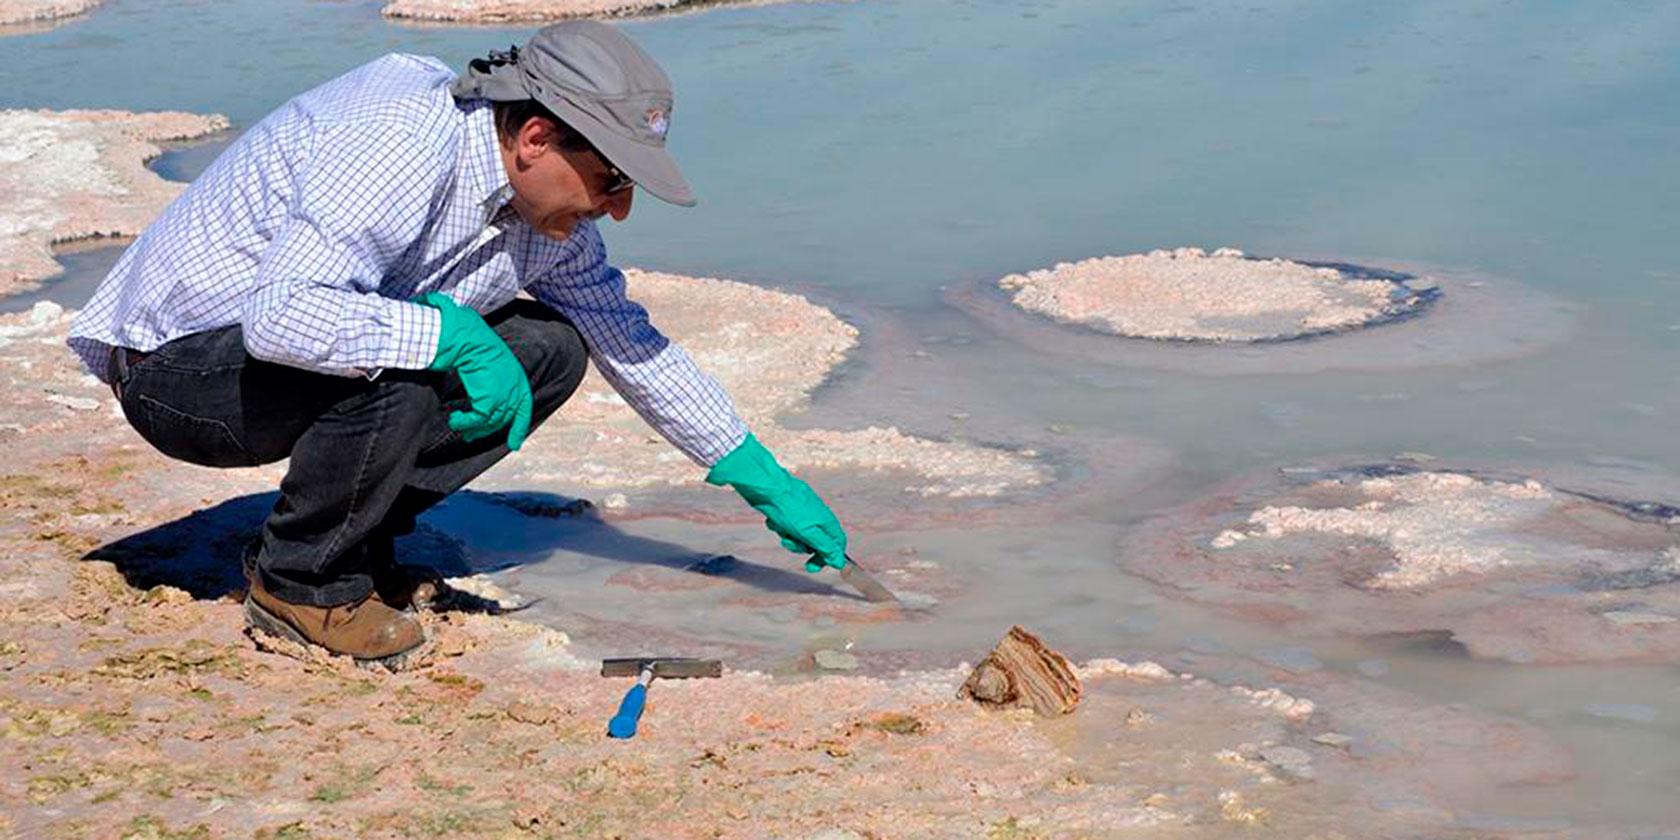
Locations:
(1189, 294)
(1436, 525)
(770, 350)
(67, 175)
(21, 12)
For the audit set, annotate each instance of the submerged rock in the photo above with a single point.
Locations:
(1188, 294)
(1632, 712)
(1505, 567)
(835, 660)
(68, 175)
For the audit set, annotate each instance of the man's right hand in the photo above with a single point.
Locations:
(494, 380)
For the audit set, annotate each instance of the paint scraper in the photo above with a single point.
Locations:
(645, 669)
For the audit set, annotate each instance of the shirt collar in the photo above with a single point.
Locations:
(486, 179)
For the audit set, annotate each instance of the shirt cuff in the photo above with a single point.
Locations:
(415, 329)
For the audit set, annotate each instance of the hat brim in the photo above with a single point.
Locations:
(651, 167)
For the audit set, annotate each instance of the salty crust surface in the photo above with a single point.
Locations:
(68, 175)
(132, 703)
(770, 350)
(1188, 294)
(1511, 568)
(16, 16)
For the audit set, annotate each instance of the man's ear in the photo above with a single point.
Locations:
(536, 138)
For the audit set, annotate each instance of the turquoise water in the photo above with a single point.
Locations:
(873, 153)
(876, 151)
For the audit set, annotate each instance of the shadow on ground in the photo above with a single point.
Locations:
(200, 553)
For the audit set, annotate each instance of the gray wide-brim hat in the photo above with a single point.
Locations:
(602, 85)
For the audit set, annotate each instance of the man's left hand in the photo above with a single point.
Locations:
(792, 510)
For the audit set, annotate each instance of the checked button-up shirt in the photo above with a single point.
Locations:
(315, 229)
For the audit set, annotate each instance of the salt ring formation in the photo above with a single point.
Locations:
(1226, 312)
(1190, 295)
(1507, 566)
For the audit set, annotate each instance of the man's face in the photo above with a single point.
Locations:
(555, 186)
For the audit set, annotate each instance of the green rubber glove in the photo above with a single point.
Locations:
(495, 382)
(791, 508)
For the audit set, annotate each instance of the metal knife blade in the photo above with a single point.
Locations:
(865, 583)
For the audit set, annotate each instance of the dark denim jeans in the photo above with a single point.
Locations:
(367, 456)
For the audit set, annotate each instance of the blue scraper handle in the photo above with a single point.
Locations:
(623, 724)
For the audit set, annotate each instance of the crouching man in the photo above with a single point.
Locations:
(339, 288)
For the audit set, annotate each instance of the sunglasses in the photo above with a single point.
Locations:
(617, 181)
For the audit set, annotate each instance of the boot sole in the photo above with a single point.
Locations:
(268, 623)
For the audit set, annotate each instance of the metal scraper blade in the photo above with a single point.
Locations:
(664, 667)
(865, 583)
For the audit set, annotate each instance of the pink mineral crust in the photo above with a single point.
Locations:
(134, 706)
(770, 350)
(1511, 568)
(1188, 293)
(18, 15)
(531, 11)
(68, 175)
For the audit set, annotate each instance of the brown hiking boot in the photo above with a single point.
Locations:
(403, 587)
(367, 630)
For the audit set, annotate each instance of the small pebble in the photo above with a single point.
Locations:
(1292, 760)
(1332, 739)
(1634, 712)
(74, 403)
(836, 834)
(1627, 617)
(1373, 668)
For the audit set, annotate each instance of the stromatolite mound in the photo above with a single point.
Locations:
(1510, 567)
(67, 175)
(22, 15)
(1188, 294)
